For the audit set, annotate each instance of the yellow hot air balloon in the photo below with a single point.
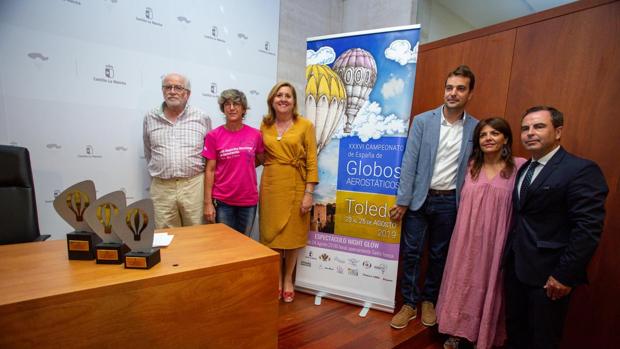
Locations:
(104, 215)
(136, 220)
(326, 100)
(78, 202)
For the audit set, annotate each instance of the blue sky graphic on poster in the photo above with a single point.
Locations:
(386, 111)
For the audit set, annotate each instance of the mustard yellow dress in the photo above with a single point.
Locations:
(290, 163)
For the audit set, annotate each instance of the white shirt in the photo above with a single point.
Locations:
(448, 150)
(541, 163)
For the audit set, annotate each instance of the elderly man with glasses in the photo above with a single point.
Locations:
(174, 135)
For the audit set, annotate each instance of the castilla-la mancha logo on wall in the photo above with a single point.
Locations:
(267, 49)
(109, 71)
(148, 17)
(89, 152)
(214, 34)
(108, 76)
(212, 91)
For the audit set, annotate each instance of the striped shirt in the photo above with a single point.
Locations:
(173, 150)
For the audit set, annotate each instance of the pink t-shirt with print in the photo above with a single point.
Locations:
(235, 173)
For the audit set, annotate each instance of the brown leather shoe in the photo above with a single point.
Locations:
(429, 318)
(402, 318)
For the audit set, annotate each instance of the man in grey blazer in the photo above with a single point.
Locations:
(432, 173)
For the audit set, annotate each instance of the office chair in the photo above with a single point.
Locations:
(18, 208)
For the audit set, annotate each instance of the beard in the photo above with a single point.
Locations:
(175, 103)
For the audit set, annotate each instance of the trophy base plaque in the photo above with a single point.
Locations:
(142, 260)
(81, 245)
(111, 252)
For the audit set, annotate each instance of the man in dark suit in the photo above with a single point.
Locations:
(559, 202)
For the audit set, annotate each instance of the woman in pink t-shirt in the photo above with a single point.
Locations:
(232, 150)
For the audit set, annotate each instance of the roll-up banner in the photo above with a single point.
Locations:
(359, 90)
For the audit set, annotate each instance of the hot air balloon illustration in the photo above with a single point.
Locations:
(325, 101)
(104, 215)
(137, 220)
(358, 71)
(77, 202)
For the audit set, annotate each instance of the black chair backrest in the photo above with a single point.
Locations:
(18, 208)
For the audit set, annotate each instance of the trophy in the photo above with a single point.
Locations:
(71, 205)
(135, 225)
(99, 217)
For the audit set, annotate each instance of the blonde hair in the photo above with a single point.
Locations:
(270, 118)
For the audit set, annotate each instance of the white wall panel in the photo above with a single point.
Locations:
(76, 78)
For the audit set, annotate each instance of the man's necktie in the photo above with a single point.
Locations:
(527, 180)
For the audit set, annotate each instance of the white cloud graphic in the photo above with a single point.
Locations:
(370, 124)
(400, 51)
(325, 55)
(392, 87)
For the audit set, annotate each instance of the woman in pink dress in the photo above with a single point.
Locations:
(470, 304)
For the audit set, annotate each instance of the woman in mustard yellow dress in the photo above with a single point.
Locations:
(288, 181)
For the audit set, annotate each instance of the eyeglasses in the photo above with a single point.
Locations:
(232, 104)
(169, 88)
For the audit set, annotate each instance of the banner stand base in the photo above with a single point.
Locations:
(365, 309)
(318, 298)
(302, 286)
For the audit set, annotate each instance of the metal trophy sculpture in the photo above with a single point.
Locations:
(99, 217)
(135, 225)
(71, 205)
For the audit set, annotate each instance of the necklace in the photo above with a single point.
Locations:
(281, 129)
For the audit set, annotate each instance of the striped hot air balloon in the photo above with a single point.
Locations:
(358, 71)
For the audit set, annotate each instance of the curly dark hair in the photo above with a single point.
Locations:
(476, 159)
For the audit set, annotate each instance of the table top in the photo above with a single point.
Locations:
(41, 270)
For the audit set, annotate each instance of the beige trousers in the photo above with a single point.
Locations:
(178, 202)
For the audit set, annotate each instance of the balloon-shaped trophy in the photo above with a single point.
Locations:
(135, 225)
(71, 205)
(99, 217)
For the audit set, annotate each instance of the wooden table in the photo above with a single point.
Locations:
(214, 288)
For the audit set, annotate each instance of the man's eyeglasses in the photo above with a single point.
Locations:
(169, 88)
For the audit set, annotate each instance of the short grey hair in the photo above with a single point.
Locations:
(186, 83)
(232, 95)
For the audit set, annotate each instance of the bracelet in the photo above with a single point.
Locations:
(308, 192)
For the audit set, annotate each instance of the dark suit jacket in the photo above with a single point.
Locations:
(559, 221)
